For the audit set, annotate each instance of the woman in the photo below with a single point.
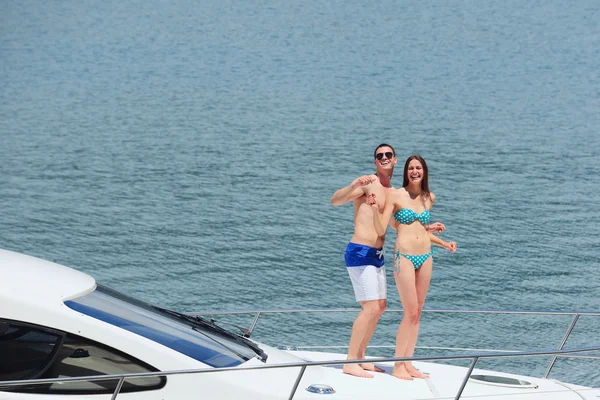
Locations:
(410, 206)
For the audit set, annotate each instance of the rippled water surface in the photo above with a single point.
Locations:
(186, 153)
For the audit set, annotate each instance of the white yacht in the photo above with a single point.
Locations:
(64, 336)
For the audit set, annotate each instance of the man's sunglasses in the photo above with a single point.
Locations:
(387, 154)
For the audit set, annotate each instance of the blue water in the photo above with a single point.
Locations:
(186, 153)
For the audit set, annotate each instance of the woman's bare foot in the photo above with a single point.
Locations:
(401, 372)
(415, 373)
(371, 367)
(356, 370)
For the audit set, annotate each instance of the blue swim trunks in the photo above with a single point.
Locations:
(357, 255)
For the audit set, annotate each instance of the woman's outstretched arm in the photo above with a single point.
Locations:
(451, 246)
(382, 223)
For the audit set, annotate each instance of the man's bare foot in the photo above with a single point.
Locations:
(401, 372)
(414, 372)
(356, 370)
(371, 367)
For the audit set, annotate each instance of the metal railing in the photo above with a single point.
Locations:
(575, 317)
(303, 365)
(560, 352)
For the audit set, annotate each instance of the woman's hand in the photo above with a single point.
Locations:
(372, 201)
(451, 246)
(436, 227)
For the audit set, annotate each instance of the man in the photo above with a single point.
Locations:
(364, 254)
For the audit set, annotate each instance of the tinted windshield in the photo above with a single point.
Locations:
(204, 345)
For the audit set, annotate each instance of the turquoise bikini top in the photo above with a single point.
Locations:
(407, 216)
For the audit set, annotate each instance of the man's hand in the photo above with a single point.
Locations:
(436, 227)
(363, 181)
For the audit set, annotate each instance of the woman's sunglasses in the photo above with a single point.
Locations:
(387, 154)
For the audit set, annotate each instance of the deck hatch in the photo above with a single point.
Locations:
(504, 381)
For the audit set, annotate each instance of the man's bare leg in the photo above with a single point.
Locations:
(362, 330)
(381, 305)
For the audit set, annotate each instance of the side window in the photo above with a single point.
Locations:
(25, 351)
(68, 356)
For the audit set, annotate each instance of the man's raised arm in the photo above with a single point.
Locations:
(352, 191)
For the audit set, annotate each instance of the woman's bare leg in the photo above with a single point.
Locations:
(404, 274)
(422, 279)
